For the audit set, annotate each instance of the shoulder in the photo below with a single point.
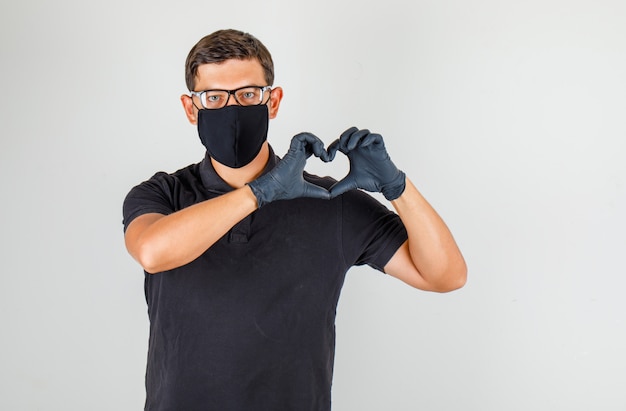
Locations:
(168, 180)
(162, 193)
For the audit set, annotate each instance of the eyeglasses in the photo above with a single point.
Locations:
(244, 96)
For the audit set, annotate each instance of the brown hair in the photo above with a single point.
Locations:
(224, 45)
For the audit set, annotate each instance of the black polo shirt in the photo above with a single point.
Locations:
(250, 324)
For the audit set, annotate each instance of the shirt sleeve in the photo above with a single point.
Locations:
(151, 196)
(371, 232)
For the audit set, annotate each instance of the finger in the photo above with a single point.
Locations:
(372, 139)
(300, 140)
(332, 150)
(310, 143)
(300, 143)
(319, 150)
(348, 132)
(314, 191)
(354, 140)
(345, 137)
(342, 186)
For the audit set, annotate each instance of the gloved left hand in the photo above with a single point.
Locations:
(371, 168)
(285, 181)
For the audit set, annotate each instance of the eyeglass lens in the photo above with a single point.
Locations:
(246, 96)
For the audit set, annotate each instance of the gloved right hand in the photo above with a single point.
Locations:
(371, 167)
(285, 181)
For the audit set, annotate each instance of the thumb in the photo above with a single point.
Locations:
(346, 184)
(315, 191)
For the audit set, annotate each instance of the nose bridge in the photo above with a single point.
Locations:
(231, 100)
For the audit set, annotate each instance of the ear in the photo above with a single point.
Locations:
(190, 109)
(275, 97)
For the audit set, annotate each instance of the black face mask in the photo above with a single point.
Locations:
(233, 135)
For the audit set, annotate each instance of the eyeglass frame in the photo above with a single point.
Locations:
(263, 89)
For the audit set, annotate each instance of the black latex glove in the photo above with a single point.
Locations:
(285, 181)
(371, 169)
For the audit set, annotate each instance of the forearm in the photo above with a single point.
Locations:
(165, 242)
(432, 247)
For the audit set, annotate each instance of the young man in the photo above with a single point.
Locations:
(245, 253)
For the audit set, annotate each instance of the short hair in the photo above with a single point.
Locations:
(224, 45)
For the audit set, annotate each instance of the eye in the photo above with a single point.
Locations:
(214, 98)
(249, 95)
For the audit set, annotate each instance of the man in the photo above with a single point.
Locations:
(245, 253)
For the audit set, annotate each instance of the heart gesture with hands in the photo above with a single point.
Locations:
(371, 169)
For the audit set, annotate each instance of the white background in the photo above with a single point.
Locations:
(507, 115)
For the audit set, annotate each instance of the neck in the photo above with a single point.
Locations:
(239, 177)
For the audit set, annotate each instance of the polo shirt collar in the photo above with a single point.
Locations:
(214, 183)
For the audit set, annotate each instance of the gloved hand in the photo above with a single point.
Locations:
(370, 166)
(285, 181)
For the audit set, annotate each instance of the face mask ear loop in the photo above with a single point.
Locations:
(194, 104)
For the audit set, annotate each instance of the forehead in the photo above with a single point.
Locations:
(230, 74)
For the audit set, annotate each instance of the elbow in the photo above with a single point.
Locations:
(148, 246)
(147, 257)
(149, 267)
(459, 280)
(453, 279)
